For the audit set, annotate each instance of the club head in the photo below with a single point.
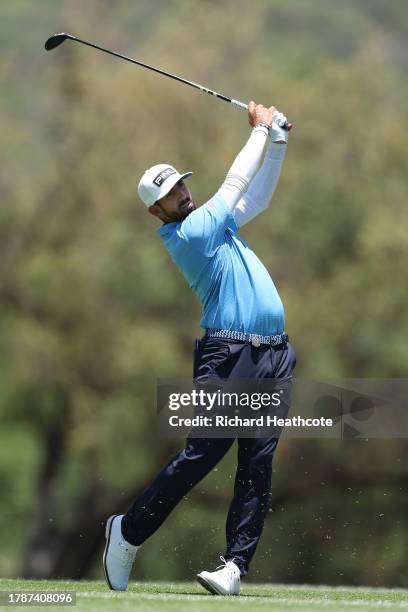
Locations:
(55, 40)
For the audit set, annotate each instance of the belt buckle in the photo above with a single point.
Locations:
(255, 340)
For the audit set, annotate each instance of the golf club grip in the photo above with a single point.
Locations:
(288, 126)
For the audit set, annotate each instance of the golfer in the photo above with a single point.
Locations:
(244, 337)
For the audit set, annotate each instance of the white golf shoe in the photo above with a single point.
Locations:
(226, 580)
(118, 556)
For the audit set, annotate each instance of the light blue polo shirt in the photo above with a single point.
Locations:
(233, 286)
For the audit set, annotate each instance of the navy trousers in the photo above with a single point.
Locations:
(219, 358)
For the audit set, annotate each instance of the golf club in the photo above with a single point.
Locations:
(57, 39)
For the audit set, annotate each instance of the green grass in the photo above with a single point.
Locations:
(190, 597)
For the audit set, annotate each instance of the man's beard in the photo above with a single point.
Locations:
(185, 208)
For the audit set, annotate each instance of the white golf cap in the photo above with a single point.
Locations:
(157, 181)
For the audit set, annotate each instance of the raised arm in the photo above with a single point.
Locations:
(248, 159)
(262, 187)
(204, 228)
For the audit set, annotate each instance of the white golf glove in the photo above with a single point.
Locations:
(277, 132)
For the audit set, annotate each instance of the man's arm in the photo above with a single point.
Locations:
(247, 161)
(204, 228)
(262, 187)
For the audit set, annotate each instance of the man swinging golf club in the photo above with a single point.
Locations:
(243, 319)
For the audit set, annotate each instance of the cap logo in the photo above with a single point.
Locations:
(164, 174)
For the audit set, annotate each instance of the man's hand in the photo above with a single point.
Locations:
(257, 113)
(278, 133)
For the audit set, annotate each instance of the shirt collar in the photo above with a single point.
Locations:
(167, 228)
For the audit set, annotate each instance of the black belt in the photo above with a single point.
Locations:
(254, 339)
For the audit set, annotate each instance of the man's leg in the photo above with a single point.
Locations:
(124, 534)
(180, 475)
(251, 499)
(253, 478)
(187, 468)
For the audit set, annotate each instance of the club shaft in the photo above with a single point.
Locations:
(236, 103)
(168, 74)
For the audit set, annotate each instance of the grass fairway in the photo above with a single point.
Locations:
(190, 597)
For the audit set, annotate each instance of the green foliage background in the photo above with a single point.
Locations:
(92, 311)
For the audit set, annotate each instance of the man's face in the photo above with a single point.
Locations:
(175, 206)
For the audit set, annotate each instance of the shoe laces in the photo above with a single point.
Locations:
(226, 566)
(127, 555)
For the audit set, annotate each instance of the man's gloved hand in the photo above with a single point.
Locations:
(277, 133)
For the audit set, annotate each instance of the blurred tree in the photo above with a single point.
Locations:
(92, 311)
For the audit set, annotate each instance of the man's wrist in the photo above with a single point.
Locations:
(265, 125)
(262, 127)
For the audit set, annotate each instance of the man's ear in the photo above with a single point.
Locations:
(154, 210)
